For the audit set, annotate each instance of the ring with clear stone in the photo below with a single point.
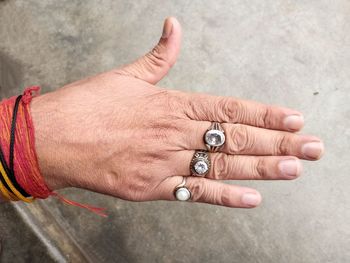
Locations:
(214, 138)
(181, 192)
(200, 163)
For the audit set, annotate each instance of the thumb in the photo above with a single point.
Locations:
(153, 66)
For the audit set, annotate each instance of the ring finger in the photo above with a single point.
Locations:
(239, 167)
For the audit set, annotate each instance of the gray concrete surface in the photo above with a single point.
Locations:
(295, 53)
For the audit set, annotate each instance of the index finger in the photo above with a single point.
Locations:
(203, 107)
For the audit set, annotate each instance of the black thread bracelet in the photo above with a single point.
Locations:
(13, 132)
(7, 171)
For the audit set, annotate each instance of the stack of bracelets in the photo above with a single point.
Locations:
(20, 176)
(9, 187)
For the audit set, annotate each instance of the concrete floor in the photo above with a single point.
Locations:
(295, 53)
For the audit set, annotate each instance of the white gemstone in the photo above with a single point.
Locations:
(215, 138)
(182, 194)
(201, 167)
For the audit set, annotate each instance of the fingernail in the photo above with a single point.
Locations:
(289, 167)
(294, 122)
(313, 150)
(167, 28)
(251, 199)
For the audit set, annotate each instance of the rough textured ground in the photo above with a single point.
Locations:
(295, 53)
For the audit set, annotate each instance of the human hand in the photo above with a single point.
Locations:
(118, 134)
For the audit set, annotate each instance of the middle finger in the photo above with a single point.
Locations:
(248, 140)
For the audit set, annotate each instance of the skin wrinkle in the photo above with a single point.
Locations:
(240, 139)
(265, 119)
(157, 58)
(232, 110)
(198, 190)
(282, 145)
(260, 170)
(198, 112)
(220, 166)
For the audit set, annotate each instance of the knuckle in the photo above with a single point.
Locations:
(220, 168)
(168, 102)
(230, 110)
(265, 117)
(110, 182)
(198, 106)
(138, 189)
(150, 157)
(164, 131)
(260, 170)
(158, 58)
(282, 144)
(176, 101)
(241, 139)
(166, 124)
(160, 131)
(199, 190)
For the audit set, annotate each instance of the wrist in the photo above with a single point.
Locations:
(44, 131)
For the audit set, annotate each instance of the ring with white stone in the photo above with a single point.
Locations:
(214, 138)
(200, 163)
(181, 192)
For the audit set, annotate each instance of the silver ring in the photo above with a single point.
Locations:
(181, 192)
(200, 163)
(214, 137)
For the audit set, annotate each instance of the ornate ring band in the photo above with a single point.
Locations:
(214, 138)
(200, 163)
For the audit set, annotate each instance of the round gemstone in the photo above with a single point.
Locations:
(182, 194)
(201, 167)
(215, 138)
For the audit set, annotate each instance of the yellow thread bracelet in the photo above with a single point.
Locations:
(13, 189)
(6, 194)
